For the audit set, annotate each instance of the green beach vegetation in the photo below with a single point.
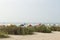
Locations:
(43, 29)
(3, 35)
(22, 30)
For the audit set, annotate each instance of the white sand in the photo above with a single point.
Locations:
(36, 36)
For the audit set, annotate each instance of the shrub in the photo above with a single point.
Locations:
(36, 28)
(43, 29)
(22, 30)
(55, 28)
(30, 30)
(3, 35)
(13, 29)
(10, 29)
(25, 30)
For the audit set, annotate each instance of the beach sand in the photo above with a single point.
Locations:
(36, 36)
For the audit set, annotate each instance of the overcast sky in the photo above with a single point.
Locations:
(46, 11)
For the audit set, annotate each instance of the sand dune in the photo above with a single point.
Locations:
(36, 36)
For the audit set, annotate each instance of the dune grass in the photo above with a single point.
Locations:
(43, 29)
(3, 35)
(19, 30)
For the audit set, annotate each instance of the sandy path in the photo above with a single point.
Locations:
(36, 36)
